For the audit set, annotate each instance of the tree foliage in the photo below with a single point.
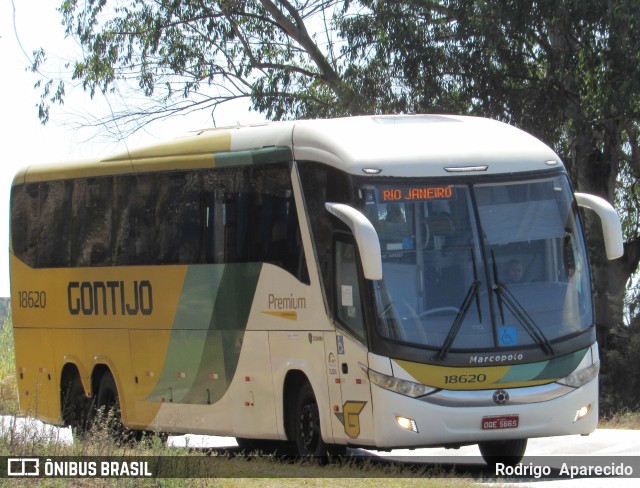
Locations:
(186, 55)
(565, 70)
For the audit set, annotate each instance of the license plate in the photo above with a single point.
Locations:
(500, 422)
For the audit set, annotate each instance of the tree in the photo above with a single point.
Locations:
(189, 55)
(565, 70)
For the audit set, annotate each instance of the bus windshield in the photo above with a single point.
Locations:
(470, 266)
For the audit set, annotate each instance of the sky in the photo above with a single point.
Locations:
(25, 26)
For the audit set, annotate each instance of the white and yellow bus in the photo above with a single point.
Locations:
(381, 282)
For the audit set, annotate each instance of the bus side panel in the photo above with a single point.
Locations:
(194, 366)
(148, 349)
(251, 396)
(38, 389)
(291, 317)
(302, 351)
(42, 353)
(184, 377)
(184, 418)
(108, 347)
(84, 316)
(355, 415)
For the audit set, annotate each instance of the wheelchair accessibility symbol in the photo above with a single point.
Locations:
(507, 336)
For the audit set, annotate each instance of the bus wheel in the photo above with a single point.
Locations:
(74, 405)
(107, 405)
(507, 452)
(307, 427)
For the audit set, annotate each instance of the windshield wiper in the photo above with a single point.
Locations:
(385, 314)
(457, 323)
(519, 312)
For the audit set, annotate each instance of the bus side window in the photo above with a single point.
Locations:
(177, 218)
(91, 219)
(275, 233)
(321, 184)
(134, 220)
(25, 208)
(226, 196)
(54, 224)
(348, 300)
(250, 216)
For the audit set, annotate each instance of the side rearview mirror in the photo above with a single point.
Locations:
(611, 228)
(365, 235)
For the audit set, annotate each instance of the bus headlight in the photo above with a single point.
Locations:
(581, 376)
(404, 387)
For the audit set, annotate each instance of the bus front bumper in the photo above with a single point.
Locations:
(401, 421)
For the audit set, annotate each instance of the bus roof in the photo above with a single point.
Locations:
(420, 145)
(386, 145)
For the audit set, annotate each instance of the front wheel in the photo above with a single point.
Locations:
(508, 452)
(308, 435)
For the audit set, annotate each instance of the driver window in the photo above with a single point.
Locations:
(348, 301)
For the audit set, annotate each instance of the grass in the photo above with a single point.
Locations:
(625, 420)
(8, 388)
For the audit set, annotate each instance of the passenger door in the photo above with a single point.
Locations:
(355, 412)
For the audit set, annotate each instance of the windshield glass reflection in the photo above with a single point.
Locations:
(483, 266)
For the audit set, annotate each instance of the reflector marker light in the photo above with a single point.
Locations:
(466, 169)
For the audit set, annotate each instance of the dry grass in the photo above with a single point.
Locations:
(622, 420)
(8, 385)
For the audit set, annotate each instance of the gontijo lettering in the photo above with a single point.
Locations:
(110, 297)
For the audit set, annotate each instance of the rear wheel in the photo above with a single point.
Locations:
(107, 408)
(508, 452)
(308, 435)
(74, 404)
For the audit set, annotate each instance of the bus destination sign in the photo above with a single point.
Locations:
(417, 193)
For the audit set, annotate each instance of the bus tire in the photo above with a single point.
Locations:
(74, 405)
(107, 407)
(308, 435)
(508, 452)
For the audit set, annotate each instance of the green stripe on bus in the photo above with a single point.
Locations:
(206, 340)
(544, 370)
(198, 297)
(563, 366)
(226, 333)
(523, 372)
(258, 156)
